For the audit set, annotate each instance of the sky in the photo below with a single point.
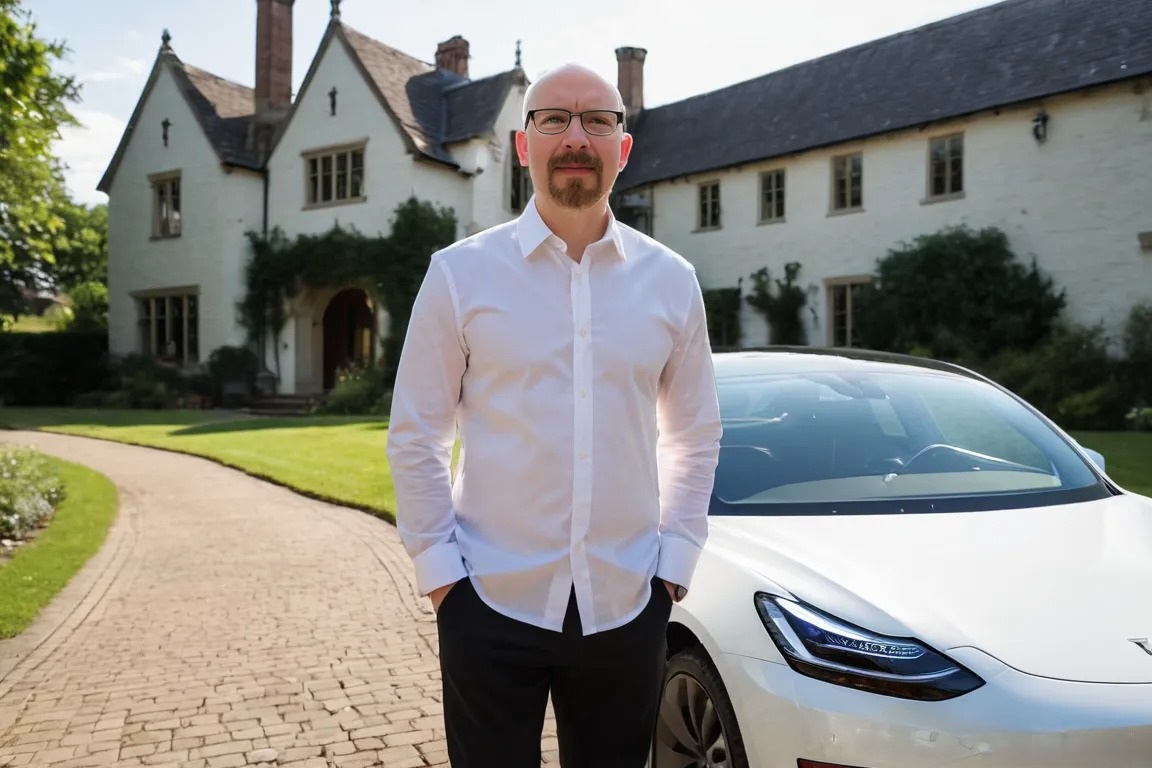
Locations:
(705, 45)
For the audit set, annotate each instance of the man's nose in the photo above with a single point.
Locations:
(576, 137)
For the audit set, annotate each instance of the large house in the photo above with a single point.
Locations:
(204, 161)
(1034, 116)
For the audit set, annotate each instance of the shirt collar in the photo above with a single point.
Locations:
(531, 231)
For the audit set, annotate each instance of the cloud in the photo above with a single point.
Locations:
(122, 68)
(86, 152)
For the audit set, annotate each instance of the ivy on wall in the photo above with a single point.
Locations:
(390, 268)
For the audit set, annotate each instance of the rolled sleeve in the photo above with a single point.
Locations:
(422, 431)
(688, 447)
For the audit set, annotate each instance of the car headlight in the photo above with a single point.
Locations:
(825, 648)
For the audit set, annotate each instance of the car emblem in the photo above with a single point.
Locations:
(1143, 642)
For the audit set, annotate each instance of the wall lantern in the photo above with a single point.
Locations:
(1040, 127)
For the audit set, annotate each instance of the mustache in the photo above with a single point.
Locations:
(575, 158)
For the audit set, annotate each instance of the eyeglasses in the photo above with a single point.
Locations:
(597, 122)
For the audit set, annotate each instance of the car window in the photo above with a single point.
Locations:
(857, 441)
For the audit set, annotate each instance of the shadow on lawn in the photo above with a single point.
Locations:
(263, 423)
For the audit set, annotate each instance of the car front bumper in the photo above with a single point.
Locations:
(1014, 721)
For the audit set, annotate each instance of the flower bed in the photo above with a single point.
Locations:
(30, 492)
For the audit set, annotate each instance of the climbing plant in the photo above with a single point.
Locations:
(782, 308)
(722, 312)
(390, 267)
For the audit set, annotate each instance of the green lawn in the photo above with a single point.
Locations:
(40, 569)
(334, 458)
(341, 459)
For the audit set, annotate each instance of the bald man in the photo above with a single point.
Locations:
(571, 352)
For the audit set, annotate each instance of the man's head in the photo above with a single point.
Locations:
(573, 161)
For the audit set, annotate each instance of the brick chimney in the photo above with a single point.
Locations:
(630, 78)
(452, 55)
(273, 58)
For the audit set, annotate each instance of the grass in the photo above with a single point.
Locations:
(341, 459)
(334, 458)
(1127, 456)
(40, 569)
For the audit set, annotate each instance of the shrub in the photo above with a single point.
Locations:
(1070, 377)
(30, 491)
(45, 369)
(959, 294)
(360, 389)
(781, 310)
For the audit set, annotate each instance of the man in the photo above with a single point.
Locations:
(573, 354)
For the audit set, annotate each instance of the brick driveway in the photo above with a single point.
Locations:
(226, 622)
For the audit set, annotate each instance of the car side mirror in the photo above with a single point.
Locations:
(1096, 457)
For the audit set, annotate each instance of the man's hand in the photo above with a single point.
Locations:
(671, 590)
(437, 595)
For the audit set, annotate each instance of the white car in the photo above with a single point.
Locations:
(907, 567)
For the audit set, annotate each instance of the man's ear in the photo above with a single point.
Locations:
(625, 150)
(522, 147)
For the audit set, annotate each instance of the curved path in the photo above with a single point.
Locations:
(225, 622)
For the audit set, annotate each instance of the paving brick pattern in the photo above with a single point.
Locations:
(226, 622)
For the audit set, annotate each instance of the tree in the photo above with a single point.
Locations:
(781, 310)
(958, 294)
(33, 108)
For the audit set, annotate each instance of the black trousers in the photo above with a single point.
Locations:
(498, 673)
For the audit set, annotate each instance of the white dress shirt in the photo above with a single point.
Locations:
(586, 406)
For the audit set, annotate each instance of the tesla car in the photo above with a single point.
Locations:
(908, 566)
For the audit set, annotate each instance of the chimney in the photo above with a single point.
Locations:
(273, 59)
(452, 55)
(630, 78)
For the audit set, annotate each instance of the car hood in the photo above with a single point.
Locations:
(1057, 591)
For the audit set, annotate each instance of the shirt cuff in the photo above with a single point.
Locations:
(677, 561)
(439, 566)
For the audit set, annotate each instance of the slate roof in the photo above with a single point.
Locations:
(434, 107)
(1011, 52)
(224, 109)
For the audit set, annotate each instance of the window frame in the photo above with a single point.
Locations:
(831, 286)
(714, 210)
(162, 185)
(852, 205)
(930, 195)
(190, 354)
(778, 203)
(334, 154)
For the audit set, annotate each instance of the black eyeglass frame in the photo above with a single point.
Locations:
(619, 116)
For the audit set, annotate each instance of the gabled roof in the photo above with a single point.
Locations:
(432, 107)
(1011, 52)
(223, 109)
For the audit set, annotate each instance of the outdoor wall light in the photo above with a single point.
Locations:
(1040, 127)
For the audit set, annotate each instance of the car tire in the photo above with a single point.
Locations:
(695, 719)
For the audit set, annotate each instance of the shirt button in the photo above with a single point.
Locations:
(583, 331)
(583, 454)
(583, 394)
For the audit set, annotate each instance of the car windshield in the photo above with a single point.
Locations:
(846, 442)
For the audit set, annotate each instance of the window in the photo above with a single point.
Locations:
(166, 205)
(334, 176)
(848, 182)
(843, 303)
(709, 215)
(520, 181)
(946, 166)
(170, 326)
(772, 196)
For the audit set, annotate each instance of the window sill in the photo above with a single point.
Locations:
(158, 238)
(698, 230)
(845, 211)
(334, 203)
(943, 198)
(770, 222)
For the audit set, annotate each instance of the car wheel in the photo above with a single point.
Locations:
(695, 724)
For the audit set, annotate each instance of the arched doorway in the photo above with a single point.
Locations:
(348, 332)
